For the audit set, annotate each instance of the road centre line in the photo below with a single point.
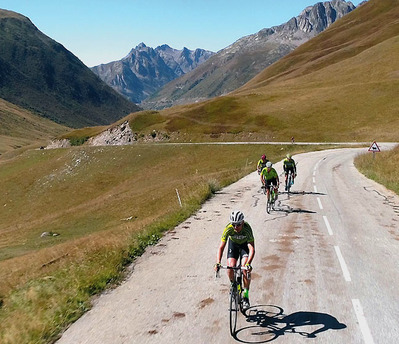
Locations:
(364, 327)
(315, 189)
(314, 180)
(320, 205)
(344, 268)
(327, 225)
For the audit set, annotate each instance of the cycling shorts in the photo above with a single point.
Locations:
(235, 250)
(271, 181)
(289, 169)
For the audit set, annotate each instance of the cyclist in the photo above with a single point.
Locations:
(289, 165)
(269, 177)
(241, 242)
(261, 163)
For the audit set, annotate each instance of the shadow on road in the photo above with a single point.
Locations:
(302, 193)
(268, 322)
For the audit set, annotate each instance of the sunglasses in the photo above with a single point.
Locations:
(235, 225)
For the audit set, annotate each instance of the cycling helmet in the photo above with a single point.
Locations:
(263, 157)
(289, 156)
(268, 164)
(236, 217)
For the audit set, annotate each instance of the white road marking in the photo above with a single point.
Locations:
(328, 225)
(344, 268)
(314, 180)
(364, 327)
(320, 205)
(315, 189)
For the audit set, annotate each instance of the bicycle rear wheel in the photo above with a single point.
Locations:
(233, 310)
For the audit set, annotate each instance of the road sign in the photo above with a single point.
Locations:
(374, 147)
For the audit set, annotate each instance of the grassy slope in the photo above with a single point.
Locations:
(19, 127)
(98, 199)
(341, 85)
(382, 168)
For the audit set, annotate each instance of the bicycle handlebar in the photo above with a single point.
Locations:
(234, 267)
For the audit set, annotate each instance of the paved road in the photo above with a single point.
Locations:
(326, 268)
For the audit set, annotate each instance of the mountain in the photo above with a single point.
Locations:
(40, 75)
(342, 85)
(145, 70)
(233, 66)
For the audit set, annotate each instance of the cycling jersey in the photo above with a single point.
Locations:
(261, 164)
(289, 164)
(244, 236)
(268, 175)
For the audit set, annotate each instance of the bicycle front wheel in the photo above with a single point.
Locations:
(233, 311)
(268, 206)
(289, 182)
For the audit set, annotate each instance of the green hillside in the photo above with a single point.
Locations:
(340, 86)
(20, 128)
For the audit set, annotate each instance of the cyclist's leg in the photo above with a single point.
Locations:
(246, 280)
(274, 185)
(233, 252)
(286, 176)
(268, 184)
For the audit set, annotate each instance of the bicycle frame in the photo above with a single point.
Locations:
(236, 290)
(289, 181)
(271, 196)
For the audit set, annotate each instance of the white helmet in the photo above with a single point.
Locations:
(236, 217)
(268, 164)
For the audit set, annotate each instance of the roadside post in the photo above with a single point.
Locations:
(374, 148)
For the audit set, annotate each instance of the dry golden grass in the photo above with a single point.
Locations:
(382, 168)
(21, 128)
(106, 204)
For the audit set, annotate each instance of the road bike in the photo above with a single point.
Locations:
(289, 181)
(235, 296)
(271, 197)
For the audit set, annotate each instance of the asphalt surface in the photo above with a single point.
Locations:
(326, 268)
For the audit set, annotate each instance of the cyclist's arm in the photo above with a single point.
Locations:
(251, 255)
(277, 178)
(220, 251)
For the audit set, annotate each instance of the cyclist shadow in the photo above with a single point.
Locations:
(296, 193)
(267, 325)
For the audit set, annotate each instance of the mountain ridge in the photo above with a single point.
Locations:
(144, 70)
(236, 64)
(39, 74)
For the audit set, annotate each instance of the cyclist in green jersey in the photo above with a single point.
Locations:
(240, 242)
(269, 177)
(289, 165)
(261, 163)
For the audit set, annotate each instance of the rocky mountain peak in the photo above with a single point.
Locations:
(144, 70)
(236, 64)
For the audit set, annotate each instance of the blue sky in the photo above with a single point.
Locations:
(100, 31)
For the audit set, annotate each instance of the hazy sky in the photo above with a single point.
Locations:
(101, 31)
